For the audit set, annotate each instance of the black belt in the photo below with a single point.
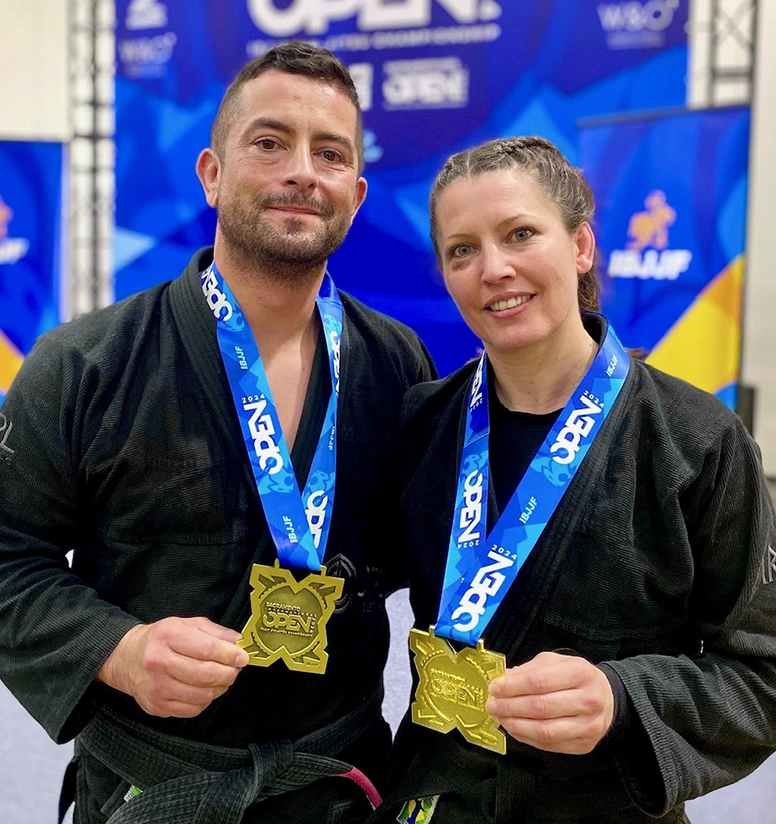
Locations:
(200, 782)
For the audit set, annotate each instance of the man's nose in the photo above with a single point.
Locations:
(301, 170)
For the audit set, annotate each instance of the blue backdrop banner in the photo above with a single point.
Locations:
(434, 77)
(30, 248)
(671, 226)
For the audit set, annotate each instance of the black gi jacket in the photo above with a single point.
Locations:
(659, 561)
(126, 449)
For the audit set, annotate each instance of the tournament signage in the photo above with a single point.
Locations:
(671, 226)
(30, 249)
(434, 77)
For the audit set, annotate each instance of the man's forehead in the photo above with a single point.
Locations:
(275, 96)
(269, 82)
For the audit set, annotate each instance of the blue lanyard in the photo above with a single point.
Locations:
(480, 570)
(299, 523)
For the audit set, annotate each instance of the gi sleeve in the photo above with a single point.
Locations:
(708, 720)
(55, 631)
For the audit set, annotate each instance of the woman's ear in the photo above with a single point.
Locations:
(585, 243)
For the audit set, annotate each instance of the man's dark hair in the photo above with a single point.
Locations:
(295, 57)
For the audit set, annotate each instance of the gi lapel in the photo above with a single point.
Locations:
(513, 621)
(197, 329)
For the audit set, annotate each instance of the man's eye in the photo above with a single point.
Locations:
(267, 143)
(331, 155)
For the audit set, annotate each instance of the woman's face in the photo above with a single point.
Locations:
(509, 262)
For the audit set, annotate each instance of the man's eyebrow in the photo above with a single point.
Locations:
(267, 123)
(333, 137)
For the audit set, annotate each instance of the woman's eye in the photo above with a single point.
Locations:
(522, 234)
(461, 250)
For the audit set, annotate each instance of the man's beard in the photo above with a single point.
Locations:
(290, 255)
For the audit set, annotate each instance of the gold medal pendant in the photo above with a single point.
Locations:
(453, 689)
(288, 618)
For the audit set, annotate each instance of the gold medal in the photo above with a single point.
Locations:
(453, 689)
(288, 618)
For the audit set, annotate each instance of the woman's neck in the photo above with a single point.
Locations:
(541, 379)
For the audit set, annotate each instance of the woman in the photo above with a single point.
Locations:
(594, 637)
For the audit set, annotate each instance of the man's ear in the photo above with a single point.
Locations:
(361, 188)
(209, 173)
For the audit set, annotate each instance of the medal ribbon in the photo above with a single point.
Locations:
(299, 523)
(480, 570)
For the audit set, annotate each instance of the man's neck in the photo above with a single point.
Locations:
(285, 323)
(278, 311)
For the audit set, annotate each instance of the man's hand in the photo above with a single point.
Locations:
(176, 666)
(557, 703)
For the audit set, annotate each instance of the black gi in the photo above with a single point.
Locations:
(124, 446)
(659, 561)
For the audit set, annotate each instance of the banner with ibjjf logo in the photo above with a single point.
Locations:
(30, 248)
(434, 77)
(671, 227)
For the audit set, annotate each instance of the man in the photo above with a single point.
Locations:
(152, 440)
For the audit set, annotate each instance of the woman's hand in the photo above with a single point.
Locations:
(558, 703)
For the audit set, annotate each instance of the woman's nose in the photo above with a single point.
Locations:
(496, 264)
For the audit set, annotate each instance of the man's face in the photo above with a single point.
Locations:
(287, 186)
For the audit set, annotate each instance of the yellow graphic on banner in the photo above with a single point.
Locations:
(647, 255)
(650, 228)
(703, 347)
(10, 363)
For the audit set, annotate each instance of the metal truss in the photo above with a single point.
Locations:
(92, 155)
(722, 36)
